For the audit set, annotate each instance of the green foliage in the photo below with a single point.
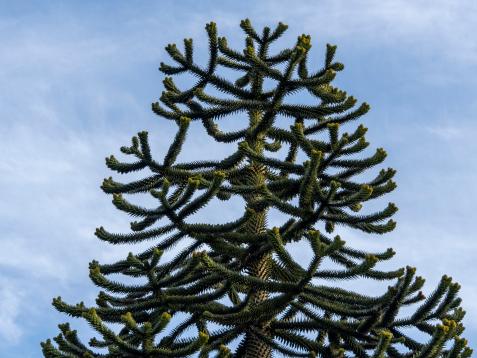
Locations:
(237, 280)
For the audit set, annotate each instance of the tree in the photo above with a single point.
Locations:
(238, 281)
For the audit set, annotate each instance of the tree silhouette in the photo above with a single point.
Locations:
(237, 281)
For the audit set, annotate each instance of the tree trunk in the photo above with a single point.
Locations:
(260, 267)
(255, 347)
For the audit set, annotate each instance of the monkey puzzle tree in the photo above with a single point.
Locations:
(237, 281)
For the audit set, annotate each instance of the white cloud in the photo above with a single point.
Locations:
(10, 307)
(451, 132)
(447, 132)
(415, 26)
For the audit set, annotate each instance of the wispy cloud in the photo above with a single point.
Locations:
(407, 26)
(10, 305)
(453, 132)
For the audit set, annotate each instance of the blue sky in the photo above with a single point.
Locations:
(77, 80)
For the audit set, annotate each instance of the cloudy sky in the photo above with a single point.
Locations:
(77, 80)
